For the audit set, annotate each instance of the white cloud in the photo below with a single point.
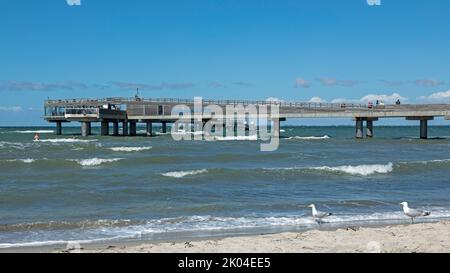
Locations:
(11, 108)
(390, 99)
(73, 2)
(39, 86)
(301, 82)
(343, 100)
(317, 100)
(335, 82)
(273, 99)
(437, 97)
(428, 82)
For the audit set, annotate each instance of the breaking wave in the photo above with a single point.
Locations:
(310, 137)
(35, 132)
(238, 138)
(26, 160)
(130, 149)
(181, 174)
(363, 170)
(95, 161)
(66, 140)
(60, 233)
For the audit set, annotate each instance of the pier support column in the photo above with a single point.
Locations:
(359, 128)
(132, 128)
(58, 128)
(125, 128)
(164, 127)
(369, 132)
(424, 129)
(276, 127)
(423, 125)
(89, 128)
(115, 128)
(149, 128)
(104, 128)
(85, 128)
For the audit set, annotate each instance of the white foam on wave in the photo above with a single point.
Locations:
(181, 174)
(62, 242)
(15, 145)
(237, 138)
(434, 161)
(34, 131)
(181, 132)
(310, 137)
(210, 223)
(363, 170)
(66, 140)
(26, 160)
(95, 161)
(130, 149)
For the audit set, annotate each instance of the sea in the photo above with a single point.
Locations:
(64, 189)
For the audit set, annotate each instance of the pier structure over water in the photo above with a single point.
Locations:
(128, 112)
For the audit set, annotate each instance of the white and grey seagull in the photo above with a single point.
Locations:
(413, 213)
(318, 215)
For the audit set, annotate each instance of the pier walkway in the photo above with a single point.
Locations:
(130, 111)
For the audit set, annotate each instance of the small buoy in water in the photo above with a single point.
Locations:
(37, 137)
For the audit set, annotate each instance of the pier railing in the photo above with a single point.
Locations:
(118, 100)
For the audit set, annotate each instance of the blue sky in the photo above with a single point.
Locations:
(245, 49)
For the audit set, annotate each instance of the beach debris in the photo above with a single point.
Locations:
(318, 215)
(353, 228)
(413, 213)
(188, 244)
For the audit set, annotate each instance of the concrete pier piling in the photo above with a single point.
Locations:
(424, 129)
(359, 128)
(149, 128)
(58, 128)
(276, 127)
(85, 128)
(164, 127)
(115, 128)
(369, 128)
(125, 128)
(104, 131)
(133, 130)
(423, 125)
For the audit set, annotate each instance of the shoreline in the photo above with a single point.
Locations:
(421, 237)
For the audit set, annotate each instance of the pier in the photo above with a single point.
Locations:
(129, 112)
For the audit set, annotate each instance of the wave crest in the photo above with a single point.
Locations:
(34, 131)
(363, 170)
(66, 140)
(181, 174)
(310, 137)
(95, 161)
(130, 149)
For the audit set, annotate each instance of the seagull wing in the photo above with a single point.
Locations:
(416, 213)
(321, 214)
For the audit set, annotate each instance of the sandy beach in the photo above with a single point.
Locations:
(417, 238)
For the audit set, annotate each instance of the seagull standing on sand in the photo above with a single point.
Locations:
(413, 213)
(318, 215)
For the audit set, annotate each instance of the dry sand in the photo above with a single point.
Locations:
(426, 237)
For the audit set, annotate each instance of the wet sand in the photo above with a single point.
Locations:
(421, 238)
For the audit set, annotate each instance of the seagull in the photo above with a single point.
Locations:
(413, 213)
(318, 215)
